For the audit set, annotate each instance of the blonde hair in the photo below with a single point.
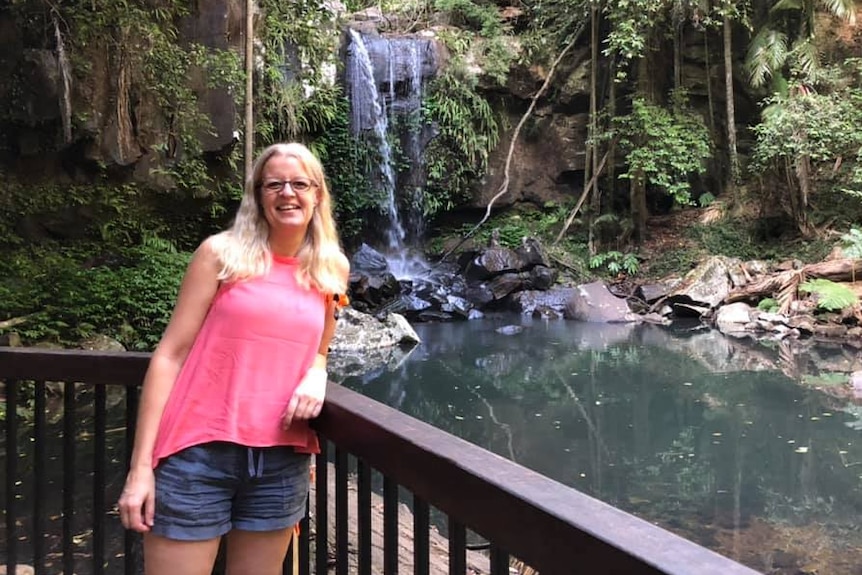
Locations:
(243, 249)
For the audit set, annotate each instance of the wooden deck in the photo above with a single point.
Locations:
(477, 562)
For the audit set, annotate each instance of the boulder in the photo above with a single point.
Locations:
(593, 302)
(357, 331)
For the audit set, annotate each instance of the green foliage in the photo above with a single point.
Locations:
(633, 25)
(831, 296)
(482, 18)
(552, 25)
(296, 93)
(822, 127)
(348, 161)
(666, 146)
(467, 132)
(616, 262)
(70, 293)
(768, 304)
(852, 243)
(706, 199)
(785, 49)
(480, 37)
(117, 215)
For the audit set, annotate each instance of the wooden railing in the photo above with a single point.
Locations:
(62, 477)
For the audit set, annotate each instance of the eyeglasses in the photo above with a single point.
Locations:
(276, 186)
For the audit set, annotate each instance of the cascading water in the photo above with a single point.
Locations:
(385, 76)
(368, 111)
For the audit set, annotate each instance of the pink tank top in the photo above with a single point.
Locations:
(259, 338)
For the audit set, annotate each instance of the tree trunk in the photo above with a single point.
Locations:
(590, 161)
(249, 88)
(677, 45)
(803, 175)
(637, 198)
(731, 113)
(637, 185)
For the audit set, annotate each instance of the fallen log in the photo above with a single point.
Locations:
(842, 270)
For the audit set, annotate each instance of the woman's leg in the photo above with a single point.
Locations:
(257, 552)
(194, 493)
(163, 555)
(270, 502)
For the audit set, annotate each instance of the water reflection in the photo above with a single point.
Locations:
(713, 438)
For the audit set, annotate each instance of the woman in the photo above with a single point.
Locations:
(223, 444)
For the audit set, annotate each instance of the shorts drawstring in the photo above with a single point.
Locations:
(255, 468)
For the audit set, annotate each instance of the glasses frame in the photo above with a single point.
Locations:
(284, 184)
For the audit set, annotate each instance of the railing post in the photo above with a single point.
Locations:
(130, 540)
(11, 474)
(390, 526)
(363, 514)
(342, 527)
(99, 448)
(457, 547)
(421, 546)
(39, 456)
(68, 477)
(321, 504)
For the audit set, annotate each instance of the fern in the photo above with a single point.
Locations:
(831, 296)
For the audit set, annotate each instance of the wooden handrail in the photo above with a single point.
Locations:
(551, 527)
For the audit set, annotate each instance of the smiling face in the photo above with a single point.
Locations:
(287, 207)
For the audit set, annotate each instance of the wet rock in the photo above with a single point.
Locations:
(830, 330)
(704, 287)
(655, 291)
(359, 331)
(733, 318)
(491, 262)
(548, 304)
(594, 303)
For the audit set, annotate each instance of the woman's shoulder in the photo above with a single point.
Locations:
(216, 244)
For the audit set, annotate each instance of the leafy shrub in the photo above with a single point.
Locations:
(616, 262)
(664, 146)
(68, 293)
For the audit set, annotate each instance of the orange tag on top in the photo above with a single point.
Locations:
(341, 300)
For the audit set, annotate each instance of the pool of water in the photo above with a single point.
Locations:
(746, 448)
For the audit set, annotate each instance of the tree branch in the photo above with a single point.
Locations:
(504, 187)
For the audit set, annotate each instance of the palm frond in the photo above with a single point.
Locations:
(806, 60)
(844, 9)
(766, 55)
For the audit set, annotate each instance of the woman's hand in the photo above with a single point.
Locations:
(307, 400)
(138, 501)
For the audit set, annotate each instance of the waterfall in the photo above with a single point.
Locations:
(385, 78)
(368, 110)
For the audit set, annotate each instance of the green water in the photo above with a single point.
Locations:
(748, 449)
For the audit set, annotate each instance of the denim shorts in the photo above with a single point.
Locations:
(206, 490)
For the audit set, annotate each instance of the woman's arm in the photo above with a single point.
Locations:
(196, 293)
(307, 400)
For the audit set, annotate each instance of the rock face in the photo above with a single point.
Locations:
(122, 120)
